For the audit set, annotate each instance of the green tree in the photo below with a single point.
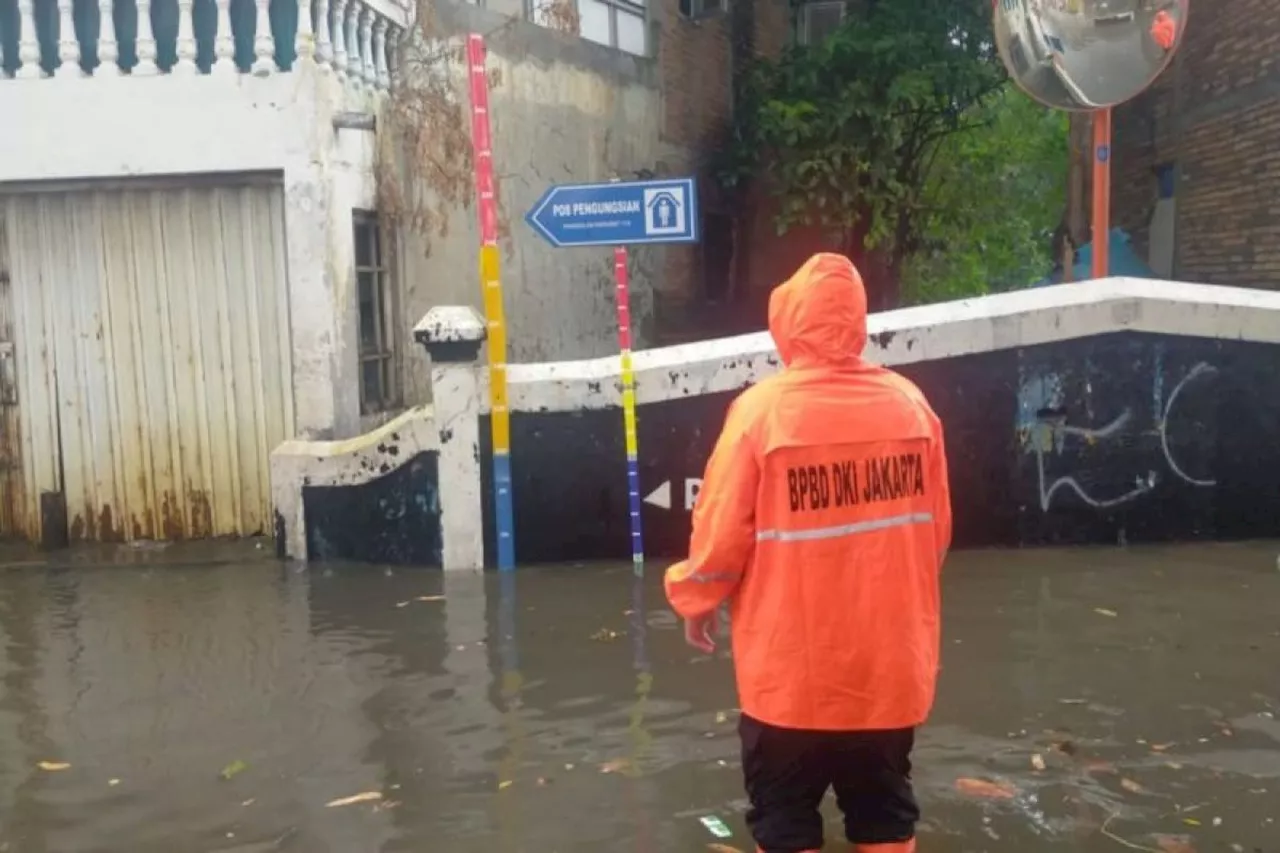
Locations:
(847, 134)
(991, 202)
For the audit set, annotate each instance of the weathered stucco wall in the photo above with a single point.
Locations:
(563, 110)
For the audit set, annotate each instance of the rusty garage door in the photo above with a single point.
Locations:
(150, 360)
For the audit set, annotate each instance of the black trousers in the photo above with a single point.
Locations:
(788, 772)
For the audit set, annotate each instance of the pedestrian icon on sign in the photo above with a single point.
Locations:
(664, 209)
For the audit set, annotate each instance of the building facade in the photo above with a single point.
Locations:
(1197, 167)
(194, 266)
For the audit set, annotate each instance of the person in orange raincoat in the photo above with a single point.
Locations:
(823, 519)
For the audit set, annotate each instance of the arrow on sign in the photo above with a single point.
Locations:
(661, 496)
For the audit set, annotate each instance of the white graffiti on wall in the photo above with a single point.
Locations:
(1043, 430)
(1201, 369)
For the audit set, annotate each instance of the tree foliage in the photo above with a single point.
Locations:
(865, 134)
(991, 202)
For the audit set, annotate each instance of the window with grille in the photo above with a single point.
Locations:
(819, 20)
(378, 386)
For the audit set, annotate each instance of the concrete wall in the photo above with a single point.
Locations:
(1102, 412)
(1214, 117)
(564, 110)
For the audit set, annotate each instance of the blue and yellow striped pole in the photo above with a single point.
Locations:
(491, 287)
(629, 406)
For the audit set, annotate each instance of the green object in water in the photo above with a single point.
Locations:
(716, 827)
(233, 769)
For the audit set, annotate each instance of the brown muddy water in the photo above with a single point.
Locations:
(211, 699)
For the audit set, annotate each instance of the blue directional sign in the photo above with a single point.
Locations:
(618, 214)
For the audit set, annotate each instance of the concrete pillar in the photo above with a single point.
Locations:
(452, 336)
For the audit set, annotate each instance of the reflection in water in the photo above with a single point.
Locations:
(149, 679)
(512, 682)
(1088, 54)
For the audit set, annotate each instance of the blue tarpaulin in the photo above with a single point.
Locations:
(1123, 261)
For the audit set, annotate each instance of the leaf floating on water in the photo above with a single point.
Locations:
(1102, 611)
(1037, 761)
(234, 768)
(113, 782)
(1132, 786)
(721, 717)
(615, 766)
(53, 766)
(365, 797)
(504, 784)
(1190, 821)
(1161, 747)
(986, 790)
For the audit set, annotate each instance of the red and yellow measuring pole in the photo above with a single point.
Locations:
(491, 288)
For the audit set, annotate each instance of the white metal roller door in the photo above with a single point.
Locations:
(153, 357)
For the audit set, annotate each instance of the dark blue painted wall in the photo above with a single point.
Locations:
(394, 518)
(1120, 438)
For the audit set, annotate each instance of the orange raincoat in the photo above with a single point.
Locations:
(824, 517)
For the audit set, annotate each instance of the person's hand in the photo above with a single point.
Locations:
(700, 632)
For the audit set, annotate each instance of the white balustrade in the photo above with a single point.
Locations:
(224, 42)
(68, 44)
(264, 43)
(340, 38)
(108, 50)
(324, 45)
(368, 71)
(354, 38)
(355, 67)
(186, 47)
(380, 53)
(146, 42)
(304, 42)
(28, 45)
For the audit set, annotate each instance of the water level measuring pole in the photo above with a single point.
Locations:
(491, 289)
(621, 214)
(622, 278)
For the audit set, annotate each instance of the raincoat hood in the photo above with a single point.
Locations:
(818, 317)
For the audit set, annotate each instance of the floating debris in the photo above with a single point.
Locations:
(53, 766)
(985, 789)
(234, 769)
(716, 826)
(364, 797)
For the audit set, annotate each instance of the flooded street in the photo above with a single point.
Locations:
(212, 699)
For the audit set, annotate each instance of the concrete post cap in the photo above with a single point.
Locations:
(450, 324)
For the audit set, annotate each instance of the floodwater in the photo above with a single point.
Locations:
(211, 699)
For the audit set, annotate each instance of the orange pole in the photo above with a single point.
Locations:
(1101, 193)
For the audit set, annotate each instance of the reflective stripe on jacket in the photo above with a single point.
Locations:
(823, 518)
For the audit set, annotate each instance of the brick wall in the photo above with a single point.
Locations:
(1215, 114)
(697, 60)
